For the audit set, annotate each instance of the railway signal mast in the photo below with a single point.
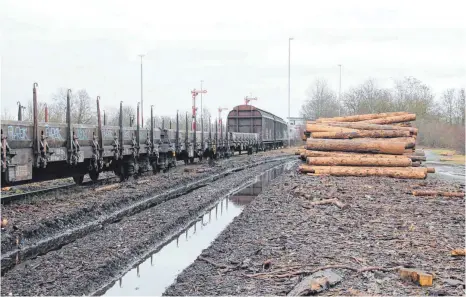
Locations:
(194, 94)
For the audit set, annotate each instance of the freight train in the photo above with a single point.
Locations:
(38, 151)
(270, 129)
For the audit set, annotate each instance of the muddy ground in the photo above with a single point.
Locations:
(93, 261)
(381, 225)
(49, 214)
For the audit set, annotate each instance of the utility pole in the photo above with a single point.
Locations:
(289, 87)
(142, 104)
(339, 94)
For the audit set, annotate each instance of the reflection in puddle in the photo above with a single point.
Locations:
(156, 273)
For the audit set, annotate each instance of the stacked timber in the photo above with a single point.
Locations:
(382, 144)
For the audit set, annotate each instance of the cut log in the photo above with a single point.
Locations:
(415, 158)
(367, 126)
(324, 128)
(361, 117)
(396, 172)
(458, 252)
(393, 120)
(359, 161)
(406, 124)
(417, 276)
(309, 153)
(410, 142)
(353, 145)
(438, 193)
(362, 134)
(430, 170)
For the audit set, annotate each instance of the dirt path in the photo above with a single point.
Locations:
(382, 225)
(91, 262)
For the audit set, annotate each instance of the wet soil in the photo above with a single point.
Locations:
(42, 216)
(281, 234)
(90, 263)
(164, 265)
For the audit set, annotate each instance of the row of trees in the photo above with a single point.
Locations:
(441, 120)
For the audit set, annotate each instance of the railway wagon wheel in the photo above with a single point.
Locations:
(94, 175)
(78, 179)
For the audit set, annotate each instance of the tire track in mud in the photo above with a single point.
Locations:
(56, 241)
(90, 263)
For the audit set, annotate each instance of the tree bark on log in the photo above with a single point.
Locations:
(396, 172)
(309, 153)
(359, 161)
(351, 145)
(361, 117)
(393, 120)
(406, 124)
(324, 128)
(410, 142)
(416, 158)
(438, 193)
(367, 126)
(362, 134)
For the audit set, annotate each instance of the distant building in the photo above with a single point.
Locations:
(296, 121)
(297, 126)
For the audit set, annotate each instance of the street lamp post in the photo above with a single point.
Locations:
(142, 103)
(289, 87)
(339, 94)
(202, 122)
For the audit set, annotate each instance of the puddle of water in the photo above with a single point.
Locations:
(157, 272)
(443, 169)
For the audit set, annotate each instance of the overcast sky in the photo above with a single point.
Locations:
(237, 47)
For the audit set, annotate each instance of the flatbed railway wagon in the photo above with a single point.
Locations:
(37, 151)
(269, 128)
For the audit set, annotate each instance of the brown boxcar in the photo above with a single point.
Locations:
(250, 119)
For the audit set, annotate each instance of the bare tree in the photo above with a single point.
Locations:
(129, 115)
(412, 95)
(459, 106)
(7, 115)
(321, 101)
(367, 98)
(83, 113)
(30, 111)
(82, 109)
(205, 118)
(448, 102)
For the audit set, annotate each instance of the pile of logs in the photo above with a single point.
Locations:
(382, 144)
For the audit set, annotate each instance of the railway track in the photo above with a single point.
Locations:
(34, 247)
(7, 199)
